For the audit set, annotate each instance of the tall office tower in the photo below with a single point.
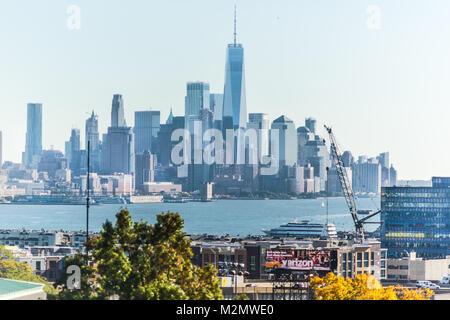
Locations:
(260, 122)
(334, 184)
(200, 173)
(311, 124)
(33, 145)
(92, 135)
(197, 98)
(383, 159)
(117, 112)
(103, 157)
(366, 176)
(68, 151)
(234, 98)
(287, 143)
(146, 127)
(303, 136)
(75, 152)
(393, 176)
(1, 150)
(145, 169)
(165, 142)
(347, 158)
(118, 153)
(92, 132)
(308, 175)
(317, 155)
(216, 106)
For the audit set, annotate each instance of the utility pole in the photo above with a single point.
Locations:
(87, 198)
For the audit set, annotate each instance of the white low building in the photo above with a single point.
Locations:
(412, 269)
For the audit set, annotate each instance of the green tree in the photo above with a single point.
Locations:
(136, 260)
(5, 253)
(14, 270)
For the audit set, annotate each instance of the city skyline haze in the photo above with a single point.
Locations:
(381, 88)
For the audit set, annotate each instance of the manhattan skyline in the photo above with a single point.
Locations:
(381, 90)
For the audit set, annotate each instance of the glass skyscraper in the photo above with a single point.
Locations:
(416, 219)
(117, 112)
(92, 132)
(234, 98)
(117, 155)
(146, 128)
(216, 105)
(260, 122)
(33, 144)
(287, 142)
(197, 98)
(92, 135)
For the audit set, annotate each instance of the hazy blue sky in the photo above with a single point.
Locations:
(381, 90)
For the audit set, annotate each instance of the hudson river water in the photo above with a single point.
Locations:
(234, 217)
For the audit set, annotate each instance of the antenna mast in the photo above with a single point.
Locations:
(87, 198)
(235, 25)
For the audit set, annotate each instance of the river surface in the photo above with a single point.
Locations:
(234, 217)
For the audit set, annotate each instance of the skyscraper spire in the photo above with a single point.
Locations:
(235, 25)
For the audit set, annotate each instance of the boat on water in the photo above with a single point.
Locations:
(303, 230)
(365, 212)
(50, 200)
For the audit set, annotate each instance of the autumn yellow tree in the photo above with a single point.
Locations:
(362, 287)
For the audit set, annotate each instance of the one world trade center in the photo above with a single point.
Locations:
(234, 100)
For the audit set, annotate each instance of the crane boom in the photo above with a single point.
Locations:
(345, 183)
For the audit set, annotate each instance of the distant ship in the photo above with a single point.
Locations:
(303, 230)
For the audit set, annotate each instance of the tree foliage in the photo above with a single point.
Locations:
(14, 270)
(362, 287)
(5, 254)
(136, 260)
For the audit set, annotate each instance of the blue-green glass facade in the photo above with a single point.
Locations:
(234, 98)
(416, 219)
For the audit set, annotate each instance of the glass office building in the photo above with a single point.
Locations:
(33, 144)
(416, 219)
(234, 99)
(146, 128)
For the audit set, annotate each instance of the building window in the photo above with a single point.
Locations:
(252, 263)
(359, 260)
(38, 265)
(366, 259)
(372, 258)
